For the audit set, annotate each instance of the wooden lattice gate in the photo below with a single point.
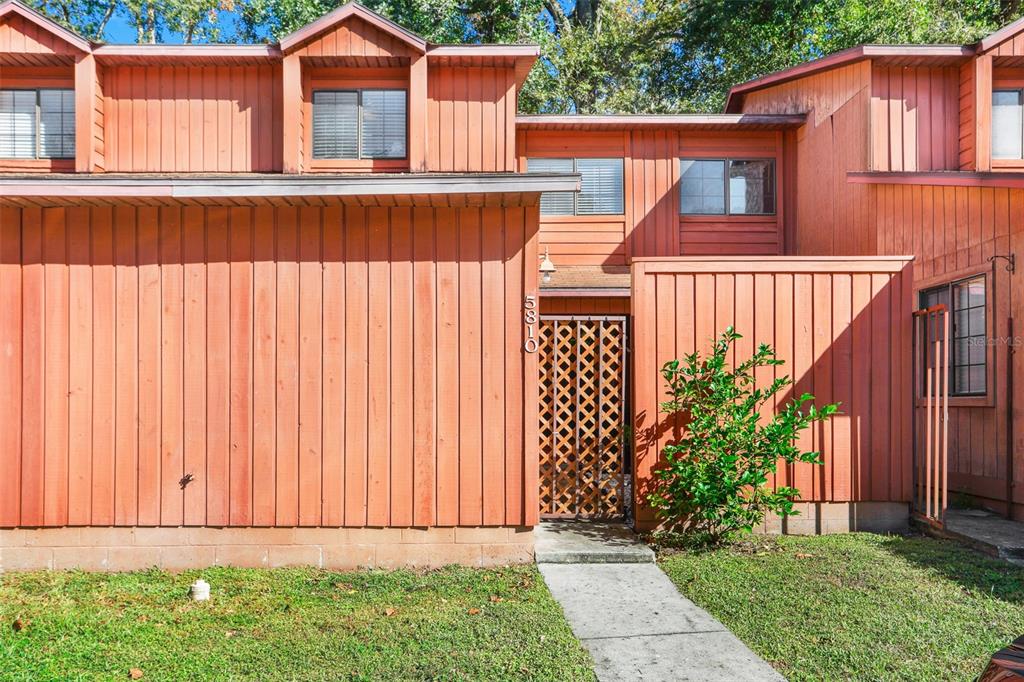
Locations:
(584, 458)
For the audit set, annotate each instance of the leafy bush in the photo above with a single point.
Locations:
(713, 481)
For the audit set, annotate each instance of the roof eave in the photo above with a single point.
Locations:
(106, 186)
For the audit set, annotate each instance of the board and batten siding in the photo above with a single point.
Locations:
(842, 327)
(954, 232)
(216, 366)
(915, 118)
(651, 223)
(470, 120)
(192, 118)
(827, 215)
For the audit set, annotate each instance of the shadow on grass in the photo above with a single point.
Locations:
(970, 569)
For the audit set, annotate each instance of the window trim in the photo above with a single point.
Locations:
(37, 157)
(360, 157)
(947, 280)
(727, 160)
(1009, 161)
(576, 216)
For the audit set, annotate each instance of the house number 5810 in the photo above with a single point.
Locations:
(530, 320)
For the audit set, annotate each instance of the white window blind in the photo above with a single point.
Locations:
(17, 124)
(600, 187)
(553, 203)
(336, 124)
(383, 124)
(359, 124)
(1007, 124)
(57, 124)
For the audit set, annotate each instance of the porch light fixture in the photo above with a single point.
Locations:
(546, 267)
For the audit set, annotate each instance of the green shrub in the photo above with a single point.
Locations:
(713, 482)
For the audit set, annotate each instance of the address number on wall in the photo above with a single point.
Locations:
(530, 320)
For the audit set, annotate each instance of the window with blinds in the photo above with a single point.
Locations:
(359, 124)
(37, 124)
(600, 186)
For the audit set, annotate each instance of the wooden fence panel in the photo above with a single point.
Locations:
(842, 326)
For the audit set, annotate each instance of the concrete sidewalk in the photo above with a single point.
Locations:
(632, 619)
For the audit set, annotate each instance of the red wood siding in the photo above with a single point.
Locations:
(32, 45)
(470, 118)
(953, 231)
(915, 118)
(651, 223)
(339, 366)
(841, 326)
(192, 119)
(827, 215)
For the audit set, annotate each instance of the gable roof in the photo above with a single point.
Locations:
(1000, 36)
(894, 53)
(352, 9)
(8, 7)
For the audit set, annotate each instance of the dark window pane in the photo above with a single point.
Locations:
(752, 187)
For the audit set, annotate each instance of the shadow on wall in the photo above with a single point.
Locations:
(842, 340)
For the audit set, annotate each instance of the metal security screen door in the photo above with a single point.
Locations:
(584, 462)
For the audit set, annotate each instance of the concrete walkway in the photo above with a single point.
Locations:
(634, 622)
(985, 532)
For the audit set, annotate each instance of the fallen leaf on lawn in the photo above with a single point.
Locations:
(230, 633)
(390, 612)
(135, 674)
(801, 555)
(473, 611)
(496, 599)
(343, 586)
(18, 625)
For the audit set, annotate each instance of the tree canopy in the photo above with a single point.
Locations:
(597, 56)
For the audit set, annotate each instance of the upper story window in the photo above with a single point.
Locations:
(600, 186)
(968, 347)
(1007, 124)
(37, 124)
(727, 186)
(359, 124)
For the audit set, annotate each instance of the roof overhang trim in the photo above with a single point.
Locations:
(273, 186)
(727, 121)
(842, 58)
(938, 178)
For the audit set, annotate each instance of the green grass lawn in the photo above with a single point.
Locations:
(300, 624)
(859, 606)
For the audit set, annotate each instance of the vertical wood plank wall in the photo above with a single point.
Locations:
(842, 326)
(831, 216)
(192, 119)
(915, 118)
(953, 231)
(339, 366)
(651, 224)
(18, 35)
(471, 113)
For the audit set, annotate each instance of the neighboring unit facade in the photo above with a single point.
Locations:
(333, 301)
